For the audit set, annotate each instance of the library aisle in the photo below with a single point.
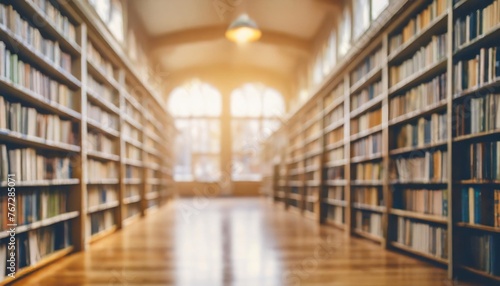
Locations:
(235, 242)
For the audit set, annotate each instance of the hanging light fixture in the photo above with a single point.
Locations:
(243, 30)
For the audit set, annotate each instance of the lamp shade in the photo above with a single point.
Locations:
(243, 30)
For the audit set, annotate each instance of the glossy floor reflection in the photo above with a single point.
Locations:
(234, 242)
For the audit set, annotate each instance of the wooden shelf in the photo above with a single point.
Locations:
(365, 207)
(366, 80)
(42, 223)
(478, 182)
(419, 77)
(110, 181)
(102, 103)
(333, 126)
(334, 183)
(484, 228)
(478, 90)
(132, 122)
(366, 183)
(56, 255)
(24, 94)
(480, 135)
(100, 235)
(37, 142)
(132, 200)
(334, 164)
(334, 224)
(335, 202)
(103, 156)
(29, 54)
(478, 42)
(429, 109)
(45, 183)
(152, 196)
(334, 145)
(416, 182)
(30, 8)
(366, 133)
(133, 162)
(401, 151)
(403, 247)
(419, 216)
(367, 106)
(92, 124)
(362, 159)
(100, 75)
(103, 207)
(132, 181)
(367, 235)
(480, 273)
(436, 26)
(295, 197)
(133, 142)
(334, 104)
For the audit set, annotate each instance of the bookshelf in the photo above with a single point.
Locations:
(412, 163)
(62, 132)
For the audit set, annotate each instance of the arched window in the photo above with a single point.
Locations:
(256, 112)
(196, 107)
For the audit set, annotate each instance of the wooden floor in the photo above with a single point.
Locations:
(234, 242)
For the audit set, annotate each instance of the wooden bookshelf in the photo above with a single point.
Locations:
(87, 94)
(436, 99)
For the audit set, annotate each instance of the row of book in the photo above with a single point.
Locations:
(33, 246)
(425, 201)
(132, 191)
(34, 205)
(27, 165)
(426, 130)
(132, 172)
(423, 237)
(26, 120)
(100, 221)
(367, 146)
(312, 131)
(368, 222)
(99, 142)
(335, 155)
(101, 194)
(473, 72)
(336, 93)
(311, 191)
(135, 209)
(366, 121)
(482, 161)
(95, 57)
(481, 205)
(132, 152)
(335, 214)
(367, 94)
(372, 196)
(475, 24)
(419, 97)
(313, 162)
(98, 170)
(335, 173)
(130, 131)
(313, 177)
(25, 75)
(482, 252)
(426, 56)
(476, 115)
(335, 193)
(371, 171)
(104, 118)
(428, 166)
(335, 136)
(337, 115)
(132, 112)
(58, 20)
(418, 23)
(32, 37)
(370, 63)
(101, 90)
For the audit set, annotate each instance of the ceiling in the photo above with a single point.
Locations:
(186, 34)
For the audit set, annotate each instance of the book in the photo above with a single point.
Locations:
(481, 252)
(366, 121)
(369, 196)
(424, 201)
(426, 56)
(365, 95)
(476, 70)
(367, 146)
(428, 166)
(481, 165)
(369, 64)
(368, 222)
(423, 237)
(426, 130)
(101, 170)
(479, 206)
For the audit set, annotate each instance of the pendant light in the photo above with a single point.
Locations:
(243, 30)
